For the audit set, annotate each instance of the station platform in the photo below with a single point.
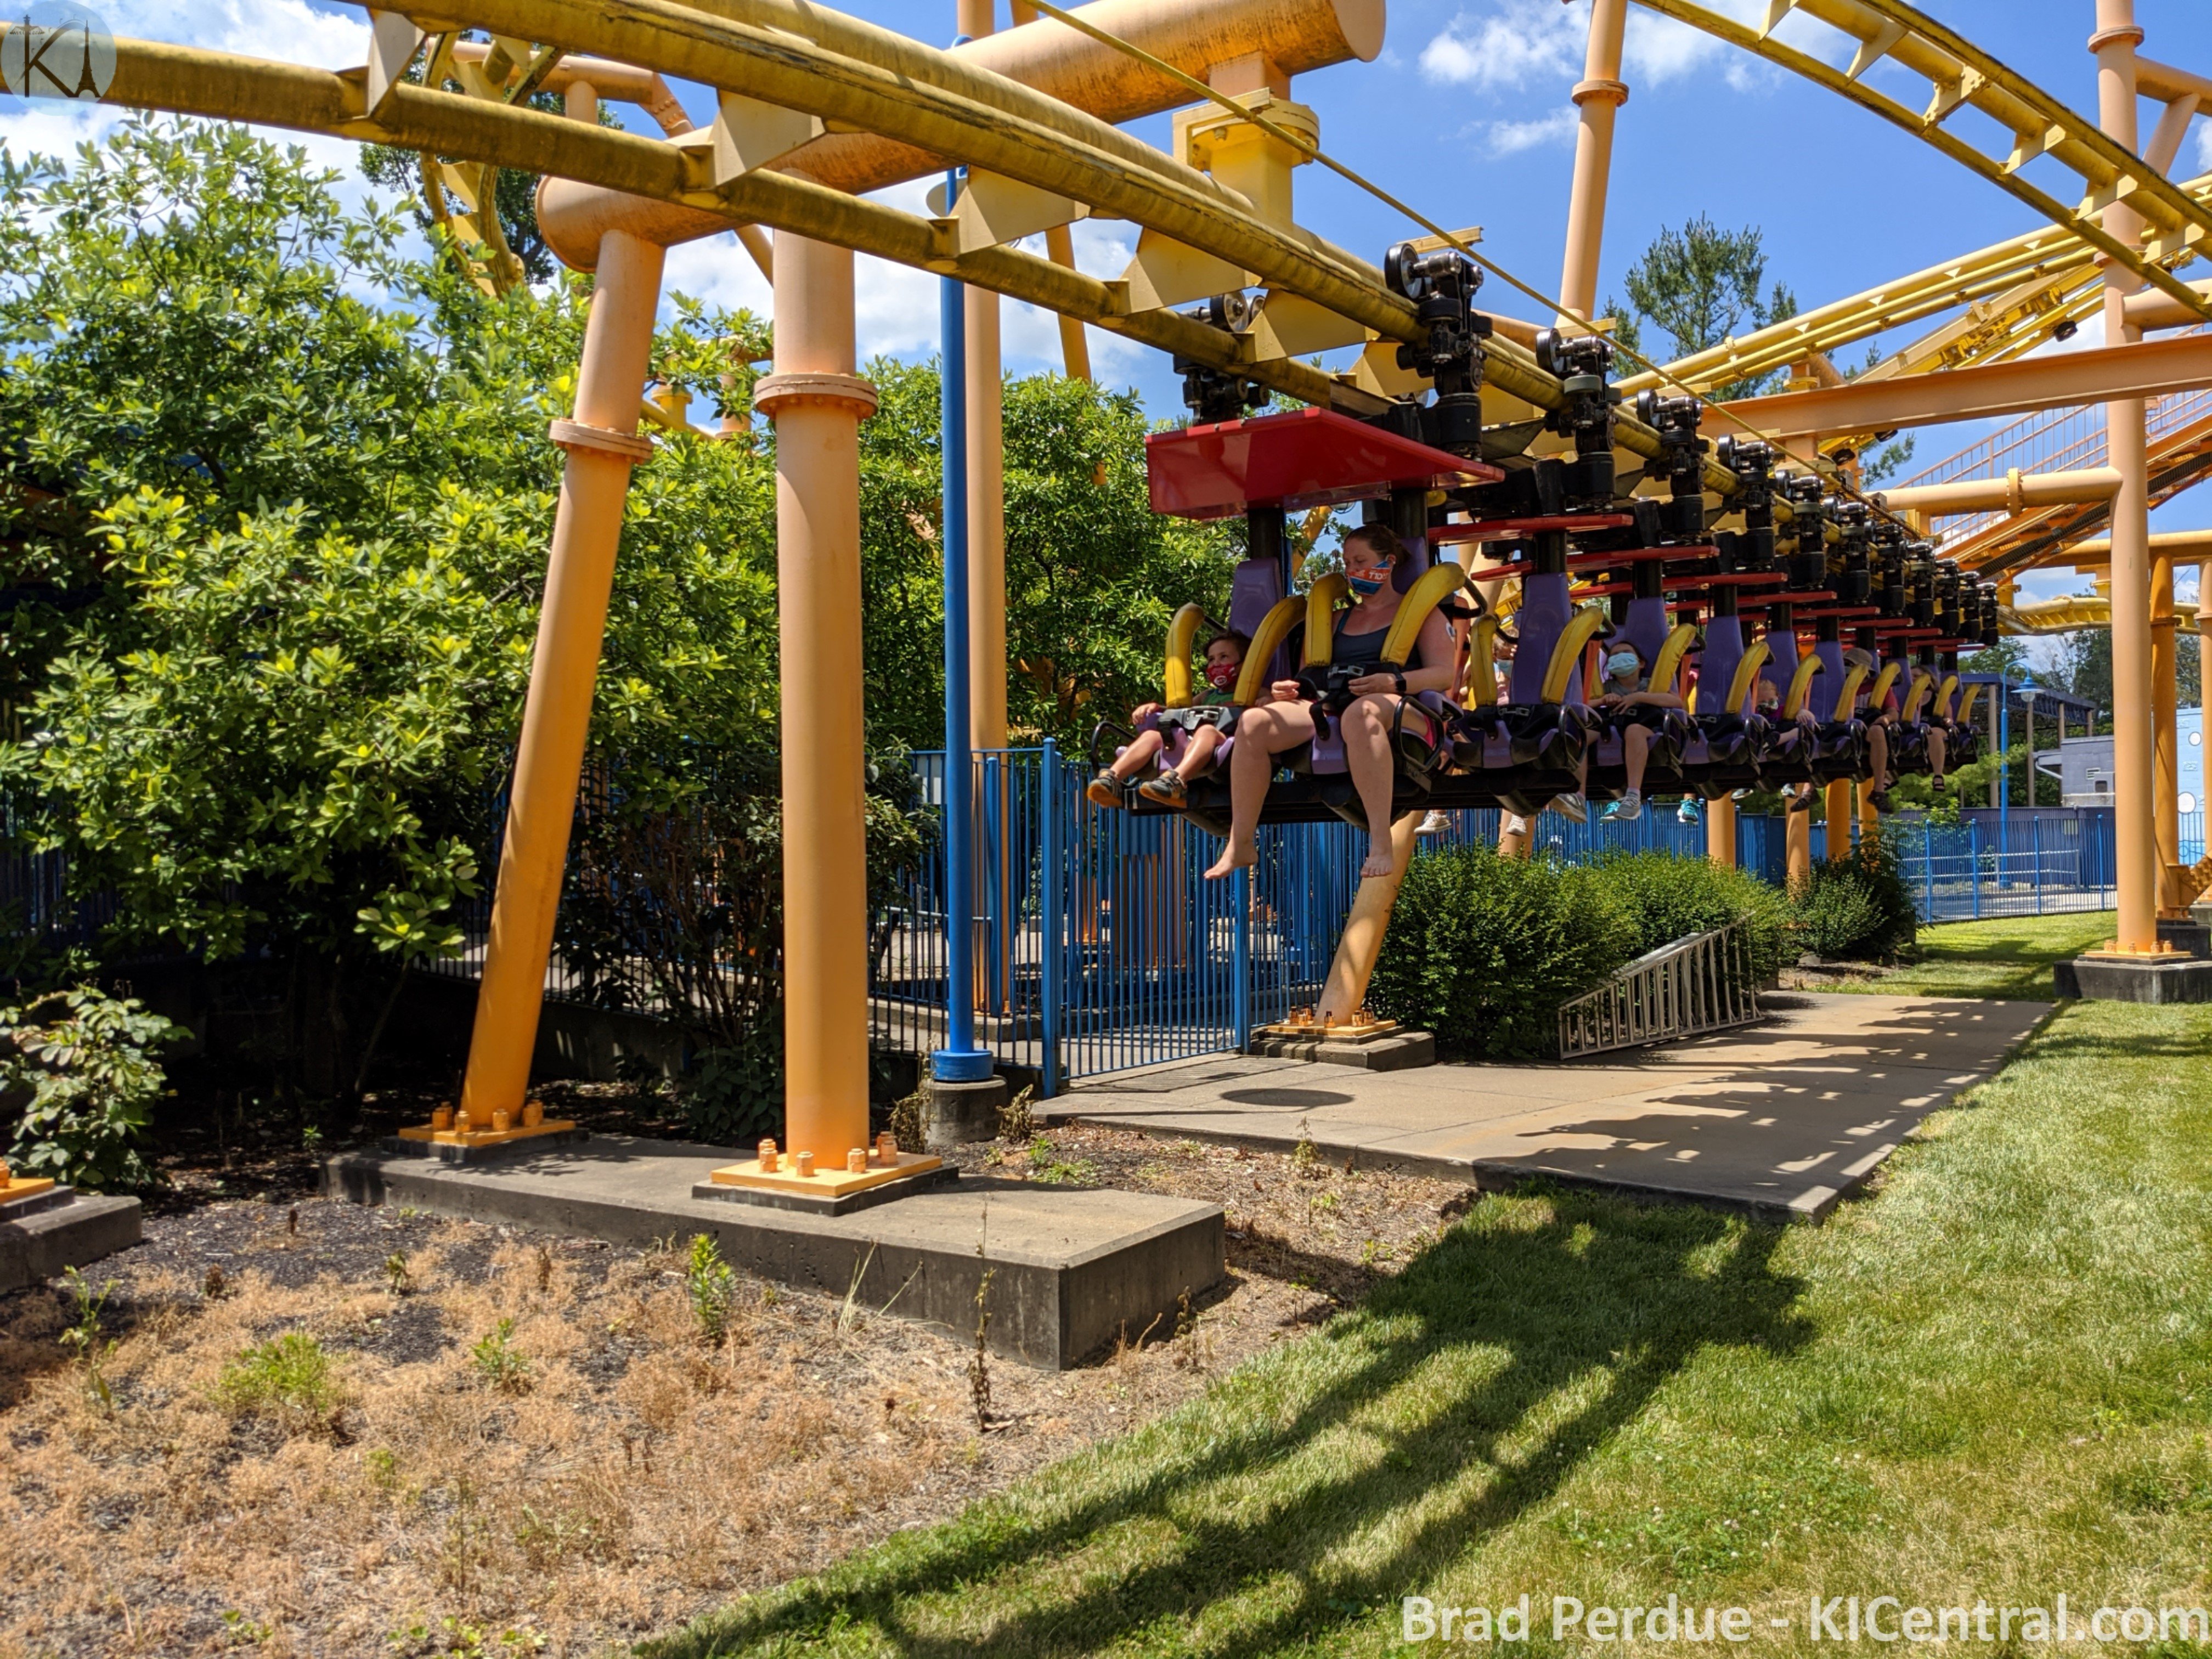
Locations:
(1784, 1119)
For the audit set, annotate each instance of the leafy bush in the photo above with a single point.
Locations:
(1669, 898)
(78, 1064)
(288, 1378)
(1482, 950)
(1858, 908)
(499, 1362)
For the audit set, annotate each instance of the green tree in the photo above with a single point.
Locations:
(1702, 284)
(285, 563)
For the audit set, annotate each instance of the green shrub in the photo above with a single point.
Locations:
(289, 1379)
(713, 1285)
(1482, 950)
(1669, 898)
(1858, 908)
(499, 1362)
(77, 1067)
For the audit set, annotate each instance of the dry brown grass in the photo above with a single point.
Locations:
(642, 1478)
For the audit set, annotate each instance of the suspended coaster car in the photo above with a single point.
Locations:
(1570, 536)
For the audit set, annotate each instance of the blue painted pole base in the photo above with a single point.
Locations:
(961, 1065)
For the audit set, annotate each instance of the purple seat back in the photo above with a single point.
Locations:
(1717, 663)
(1646, 627)
(1545, 608)
(1255, 589)
(1827, 684)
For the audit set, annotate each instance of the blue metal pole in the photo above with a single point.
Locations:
(2004, 766)
(960, 1060)
(1241, 971)
(1051, 890)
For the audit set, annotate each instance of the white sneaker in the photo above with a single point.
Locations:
(1435, 825)
(1630, 806)
(1515, 824)
(1573, 808)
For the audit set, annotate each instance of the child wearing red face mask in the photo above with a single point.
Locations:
(1224, 661)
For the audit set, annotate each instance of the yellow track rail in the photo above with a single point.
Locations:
(1962, 73)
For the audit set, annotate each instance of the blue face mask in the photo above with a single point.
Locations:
(1363, 586)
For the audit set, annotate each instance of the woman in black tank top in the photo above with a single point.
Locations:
(1281, 721)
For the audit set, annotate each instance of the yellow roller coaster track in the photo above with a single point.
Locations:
(1960, 75)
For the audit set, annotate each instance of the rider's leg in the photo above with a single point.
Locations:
(1366, 726)
(1263, 734)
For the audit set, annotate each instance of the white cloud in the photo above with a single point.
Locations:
(2204, 148)
(1511, 137)
(1512, 45)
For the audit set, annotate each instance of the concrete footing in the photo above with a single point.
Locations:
(2111, 981)
(1072, 1268)
(449, 1152)
(957, 1113)
(40, 1237)
(2192, 936)
(1386, 1051)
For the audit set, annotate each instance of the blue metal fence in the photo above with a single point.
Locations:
(1100, 945)
(2023, 861)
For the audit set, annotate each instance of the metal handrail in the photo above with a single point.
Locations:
(1702, 983)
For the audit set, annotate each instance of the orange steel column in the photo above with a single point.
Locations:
(2166, 739)
(986, 489)
(602, 444)
(1869, 815)
(817, 403)
(2136, 848)
(1841, 808)
(1600, 94)
(1797, 847)
(2203, 726)
(1720, 832)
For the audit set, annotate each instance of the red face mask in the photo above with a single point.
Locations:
(1223, 675)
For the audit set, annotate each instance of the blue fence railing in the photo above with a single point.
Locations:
(2023, 861)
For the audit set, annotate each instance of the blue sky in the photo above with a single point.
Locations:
(1465, 115)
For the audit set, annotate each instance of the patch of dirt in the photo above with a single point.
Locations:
(628, 1475)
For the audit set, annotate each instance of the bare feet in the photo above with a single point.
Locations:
(1233, 858)
(1379, 862)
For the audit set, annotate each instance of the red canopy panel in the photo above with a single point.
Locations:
(1300, 458)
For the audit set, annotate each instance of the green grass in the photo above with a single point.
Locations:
(2008, 958)
(289, 1378)
(1993, 1379)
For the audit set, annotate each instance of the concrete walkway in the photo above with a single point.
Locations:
(1782, 1118)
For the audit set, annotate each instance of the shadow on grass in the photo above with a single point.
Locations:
(1465, 1393)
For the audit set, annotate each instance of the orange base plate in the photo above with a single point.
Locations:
(551, 1125)
(822, 1183)
(1328, 1033)
(24, 1187)
(2110, 953)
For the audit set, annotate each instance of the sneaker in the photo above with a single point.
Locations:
(1573, 808)
(1167, 789)
(1434, 824)
(1801, 802)
(1630, 806)
(1104, 790)
(1515, 824)
(1687, 811)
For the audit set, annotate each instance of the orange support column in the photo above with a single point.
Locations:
(1599, 95)
(1720, 832)
(2135, 847)
(1797, 846)
(817, 403)
(602, 444)
(986, 491)
(1840, 809)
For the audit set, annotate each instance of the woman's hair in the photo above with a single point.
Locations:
(1230, 636)
(1629, 646)
(1381, 539)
